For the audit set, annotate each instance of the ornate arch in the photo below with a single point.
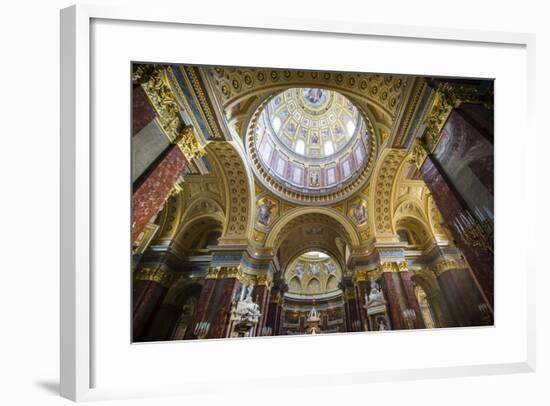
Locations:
(239, 89)
(350, 232)
(384, 179)
(238, 191)
(170, 218)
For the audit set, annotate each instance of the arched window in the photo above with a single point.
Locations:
(300, 147)
(329, 148)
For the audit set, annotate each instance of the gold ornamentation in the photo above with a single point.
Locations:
(229, 272)
(186, 140)
(419, 153)
(447, 265)
(361, 275)
(155, 85)
(165, 278)
(447, 97)
(389, 267)
(402, 265)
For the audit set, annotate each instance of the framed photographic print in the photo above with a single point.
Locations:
(331, 195)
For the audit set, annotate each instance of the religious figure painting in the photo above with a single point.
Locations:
(281, 202)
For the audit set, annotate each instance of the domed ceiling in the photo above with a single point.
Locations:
(310, 140)
(312, 274)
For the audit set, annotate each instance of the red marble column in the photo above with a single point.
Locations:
(219, 326)
(149, 196)
(478, 117)
(412, 301)
(393, 301)
(461, 296)
(204, 301)
(163, 323)
(142, 111)
(262, 299)
(272, 315)
(147, 296)
(347, 314)
(451, 207)
(278, 317)
(361, 290)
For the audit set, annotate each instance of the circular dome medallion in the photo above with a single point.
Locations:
(309, 144)
(314, 97)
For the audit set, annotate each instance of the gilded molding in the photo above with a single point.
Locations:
(164, 278)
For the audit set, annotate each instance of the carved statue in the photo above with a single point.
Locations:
(382, 324)
(375, 297)
(264, 212)
(245, 312)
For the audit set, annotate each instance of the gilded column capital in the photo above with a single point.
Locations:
(419, 153)
(162, 277)
(360, 276)
(389, 267)
(447, 97)
(403, 266)
(265, 280)
(446, 265)
(187, 141)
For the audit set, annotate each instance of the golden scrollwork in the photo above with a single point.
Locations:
(165, 278)
(419, 153)
(186, 140)
(152, 79)
(390, 267)
(446, 265)
(447, 97)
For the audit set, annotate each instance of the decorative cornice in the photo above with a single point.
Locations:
(228, 272)
(162, 277)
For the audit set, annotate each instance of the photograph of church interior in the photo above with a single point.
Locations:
(272, 202)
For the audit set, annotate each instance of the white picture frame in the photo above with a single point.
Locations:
(78, 349)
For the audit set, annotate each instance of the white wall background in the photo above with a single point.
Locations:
(29, 108)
